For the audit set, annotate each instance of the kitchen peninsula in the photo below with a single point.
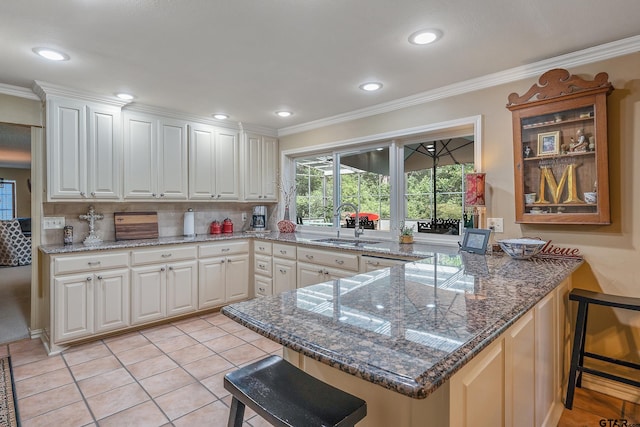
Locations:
(454, 339)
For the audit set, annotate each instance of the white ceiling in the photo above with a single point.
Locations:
(249, 58)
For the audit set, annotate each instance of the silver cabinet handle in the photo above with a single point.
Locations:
(309, 256)
(153, 194)
(283, 252)
(89, 279)
(166, 255)
(221, 261)
(162, 269)
(170, 268)
(82, 193)
(283, 271)
(339, 261)
(213, 195)
(320, 271)
(262, 266)
(99, 277)
(225, 249)
(93, 194)
(161, 194)
(261, 248)
(92, 263)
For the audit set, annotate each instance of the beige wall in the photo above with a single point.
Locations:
(23, 196)
(20, 110)
(611, 252)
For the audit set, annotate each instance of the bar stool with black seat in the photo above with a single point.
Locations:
(578, 354)
(286, 396)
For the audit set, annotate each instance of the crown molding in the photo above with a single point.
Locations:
(17, 91)
(44, 90)
(582, 57)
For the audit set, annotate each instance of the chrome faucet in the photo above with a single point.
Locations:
(357, 230)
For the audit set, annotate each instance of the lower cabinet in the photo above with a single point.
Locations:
(223, 273)
(317, 266)
(89, 303)
(284, 275)
(311, 274)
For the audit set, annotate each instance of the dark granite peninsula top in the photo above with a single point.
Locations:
(407, 328)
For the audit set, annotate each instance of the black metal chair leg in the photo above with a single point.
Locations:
(236, 414)
(584, 338)
(578, 349)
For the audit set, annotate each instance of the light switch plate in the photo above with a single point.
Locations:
(53, 222)
(495, 224)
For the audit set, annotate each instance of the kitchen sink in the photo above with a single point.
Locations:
(346, 242)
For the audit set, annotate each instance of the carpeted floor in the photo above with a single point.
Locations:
(8, 411)
(15, 303)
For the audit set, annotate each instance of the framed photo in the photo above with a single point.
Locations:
(548, 143)
(475, 240)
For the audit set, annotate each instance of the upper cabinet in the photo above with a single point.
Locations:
(155, 157)
(560, 150)
(260, 168)
(214, 162)
(84, 150)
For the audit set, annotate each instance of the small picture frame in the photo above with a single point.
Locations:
(548, 143)
(475, 240)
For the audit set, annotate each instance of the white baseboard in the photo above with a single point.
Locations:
(611, 388)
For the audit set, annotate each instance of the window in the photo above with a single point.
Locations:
(7, 199)
(426, 167)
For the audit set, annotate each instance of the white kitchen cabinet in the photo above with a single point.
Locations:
(311, 274)
(182, 288)
(84, 150)
(260, 168)
(214, 161)
(284, 275)
(372, 263)
(155, 158)
(318, 265)
(223, 273)
(148, 293)
(91, 303)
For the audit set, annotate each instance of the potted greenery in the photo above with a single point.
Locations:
(406, 234)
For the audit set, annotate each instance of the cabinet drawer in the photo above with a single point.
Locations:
(331, 259)
(262, 286)
(262, 247)
(262, 265)
(168, 254)
(284, 251)
(74, 264)
(223, 248)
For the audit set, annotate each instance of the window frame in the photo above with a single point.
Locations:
(395, 140)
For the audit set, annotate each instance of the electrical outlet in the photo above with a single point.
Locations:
(495, 224)
(53, 222)
(244, 217)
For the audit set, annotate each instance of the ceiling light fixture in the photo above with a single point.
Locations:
(371, 86)
(125, 96)
(284, 113)
(423, 37)
(50, 54)
(221, 116)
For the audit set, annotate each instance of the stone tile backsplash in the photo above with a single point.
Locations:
(170, 217)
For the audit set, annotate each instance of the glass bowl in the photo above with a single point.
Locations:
(522, 248)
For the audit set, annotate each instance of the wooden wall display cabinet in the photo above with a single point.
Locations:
(560, 150)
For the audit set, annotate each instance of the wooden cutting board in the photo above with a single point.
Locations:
(136, 225)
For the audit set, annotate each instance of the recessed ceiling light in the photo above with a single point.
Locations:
(50, 54)
(220, 116)
(425, 36)
(371, 86)
(284, 113)
(125, 96)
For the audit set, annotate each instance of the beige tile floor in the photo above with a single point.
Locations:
(170, 375)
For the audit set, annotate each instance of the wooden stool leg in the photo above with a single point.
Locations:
(236, 414)
(578, 349)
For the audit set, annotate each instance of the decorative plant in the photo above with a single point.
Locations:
(405, 230)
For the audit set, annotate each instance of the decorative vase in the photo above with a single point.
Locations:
(286, 226)
(286, 213)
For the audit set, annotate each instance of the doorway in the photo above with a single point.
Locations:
(15, 281)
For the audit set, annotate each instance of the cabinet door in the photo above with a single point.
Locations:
(269, 168)
(262, 285)
(148, 293)
(67, 149)
(74, 306)
(201, 166)
(140, 158)
(237, 277)
(284, 275)
(172, 160)
(546, 359)
(111, 300)
(520, 342)
(211, 282)
(227, 162)
(104, 150)
(309, 274)
(252, 168)
(182, 288)
(369, 263)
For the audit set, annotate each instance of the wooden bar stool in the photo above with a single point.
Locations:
(578, 354)
(288, 397)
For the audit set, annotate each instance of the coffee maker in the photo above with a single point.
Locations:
(259, 218)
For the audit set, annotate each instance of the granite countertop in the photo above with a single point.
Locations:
(365, 245)
(407, 328)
